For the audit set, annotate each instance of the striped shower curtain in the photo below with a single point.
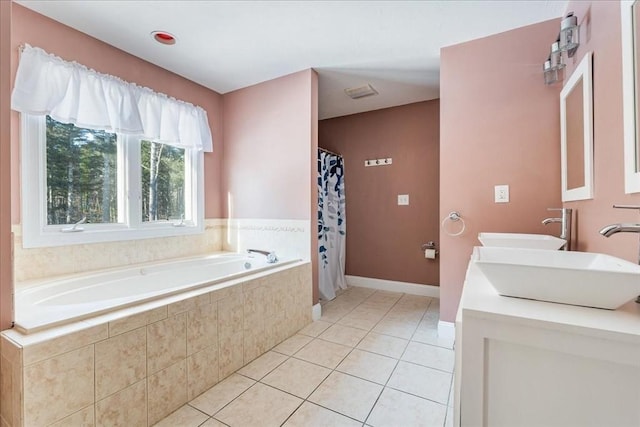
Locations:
(331, 224)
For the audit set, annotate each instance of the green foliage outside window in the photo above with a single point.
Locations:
(81, 174)
(162, 181)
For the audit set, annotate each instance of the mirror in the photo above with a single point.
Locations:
(576, 133)
(630, 17)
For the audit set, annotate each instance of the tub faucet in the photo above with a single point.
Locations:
(565, 227)
(271, 256)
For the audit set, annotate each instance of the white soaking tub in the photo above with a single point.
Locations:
(46, 303)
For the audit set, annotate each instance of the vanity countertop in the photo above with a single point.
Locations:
(481, 300)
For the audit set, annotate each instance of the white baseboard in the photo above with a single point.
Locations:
(316, 312)
(393, 286)
(446, 329)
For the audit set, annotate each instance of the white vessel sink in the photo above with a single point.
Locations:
(577, 278)
(517, 240)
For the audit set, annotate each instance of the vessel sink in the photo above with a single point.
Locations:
(577, 278)
(517, 240)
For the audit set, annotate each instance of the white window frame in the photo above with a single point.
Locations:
(37, 233)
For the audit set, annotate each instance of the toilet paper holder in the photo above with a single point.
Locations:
(429, 247)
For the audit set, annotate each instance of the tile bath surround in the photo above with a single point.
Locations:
(142, 367)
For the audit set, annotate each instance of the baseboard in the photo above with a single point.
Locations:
(316, 312)
(393, 286)
(446, 329)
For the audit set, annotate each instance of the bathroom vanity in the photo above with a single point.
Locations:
(523, 362)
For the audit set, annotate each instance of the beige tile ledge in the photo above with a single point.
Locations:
(216, 291)
(34, 263)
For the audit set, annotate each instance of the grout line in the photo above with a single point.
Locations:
(428, 367)
(415, 395)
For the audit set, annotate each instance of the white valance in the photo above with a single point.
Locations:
(72, 93)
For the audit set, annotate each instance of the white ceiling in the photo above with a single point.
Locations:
(228, 45)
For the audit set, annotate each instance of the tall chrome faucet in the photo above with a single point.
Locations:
(565, 225)
(612, 229)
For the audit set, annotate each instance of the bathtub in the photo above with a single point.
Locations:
(157, 336)
(46, 303)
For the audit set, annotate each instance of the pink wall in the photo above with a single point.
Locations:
(600, 34)
(72, 45)
(6, 260)
(384, 239)
(268, 138)
(499, 124)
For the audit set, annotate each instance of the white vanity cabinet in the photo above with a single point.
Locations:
(530, 363)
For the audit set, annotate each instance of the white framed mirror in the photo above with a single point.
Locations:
(630, 17)
(576, 133)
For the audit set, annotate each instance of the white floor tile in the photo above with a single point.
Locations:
(345, 335)
(315, 328)
(395, 408)
(430, 356)
(421, 381)
(383, 344)
(263, 365)
(310, 415)
(347, 395)
(293, 344)
(214, 399)
(324, 353)
(260, 406)
(297, 377)
(186, 416)
(368, 366)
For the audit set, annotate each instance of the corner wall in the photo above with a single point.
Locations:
(383, 239)
(269, 161)
(499, 124)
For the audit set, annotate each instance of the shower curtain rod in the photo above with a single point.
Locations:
(329, 151)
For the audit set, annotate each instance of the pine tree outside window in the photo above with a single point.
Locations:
(116, 187)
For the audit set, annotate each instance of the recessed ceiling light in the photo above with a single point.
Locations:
(163, 37)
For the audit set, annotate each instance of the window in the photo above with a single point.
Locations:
(83, 185)
(81, 174)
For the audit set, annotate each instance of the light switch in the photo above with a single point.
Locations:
(403, 199)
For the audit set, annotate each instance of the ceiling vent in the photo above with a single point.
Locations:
(360, 92)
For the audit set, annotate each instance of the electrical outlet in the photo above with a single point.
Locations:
(403, 199)
(501, 193)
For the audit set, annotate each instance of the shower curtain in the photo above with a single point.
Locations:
(331, 224)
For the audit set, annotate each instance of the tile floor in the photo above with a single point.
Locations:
(373, 359)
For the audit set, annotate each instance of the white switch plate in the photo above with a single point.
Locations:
(403, 199)
(501, 193)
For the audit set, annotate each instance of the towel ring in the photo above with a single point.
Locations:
(453, 217)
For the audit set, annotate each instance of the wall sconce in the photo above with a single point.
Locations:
(567, 42)
(550, 74)
(557, 60)
(569, 34)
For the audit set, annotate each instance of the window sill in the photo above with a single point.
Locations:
(97, 234)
